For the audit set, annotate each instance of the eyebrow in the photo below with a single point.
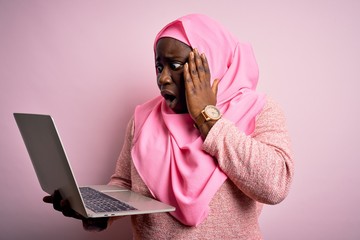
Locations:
(173, 58)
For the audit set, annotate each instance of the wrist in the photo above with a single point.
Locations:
(205, 128)
(208, 114)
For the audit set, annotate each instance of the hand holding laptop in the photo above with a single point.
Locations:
(63, 205)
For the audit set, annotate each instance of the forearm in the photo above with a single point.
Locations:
(259, 165)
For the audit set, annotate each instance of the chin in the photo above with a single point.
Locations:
(179, 110)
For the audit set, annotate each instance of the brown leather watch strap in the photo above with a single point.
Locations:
(200, 120)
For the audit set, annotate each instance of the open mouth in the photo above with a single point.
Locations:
(170, 99)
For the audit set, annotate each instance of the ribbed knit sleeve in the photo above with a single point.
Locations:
(260, 165)
(122, 175)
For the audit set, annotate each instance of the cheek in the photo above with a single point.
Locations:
(180, 83)
(157, 81)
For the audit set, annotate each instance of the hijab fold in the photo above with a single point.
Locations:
(167, 149)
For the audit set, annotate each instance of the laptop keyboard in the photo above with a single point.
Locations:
(99, 202)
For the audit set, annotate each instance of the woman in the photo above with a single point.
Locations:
(210, 145)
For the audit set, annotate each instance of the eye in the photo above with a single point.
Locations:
(175, 66)
(159, 68)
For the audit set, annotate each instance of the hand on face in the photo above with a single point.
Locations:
(198, 90)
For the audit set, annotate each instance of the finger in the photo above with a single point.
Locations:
(215, 86)
(187, 78)
(56, 200)
(48, 199)
(193, 69)
(65, 204)
(67, 211)
(206, 66)
(71, 213)
(199, 66)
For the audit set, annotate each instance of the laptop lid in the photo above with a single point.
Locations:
(48, 157)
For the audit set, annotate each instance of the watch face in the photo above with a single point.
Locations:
(212, 112)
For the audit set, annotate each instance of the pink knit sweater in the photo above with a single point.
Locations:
(259, 169)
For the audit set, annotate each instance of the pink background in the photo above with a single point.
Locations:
(88, 63)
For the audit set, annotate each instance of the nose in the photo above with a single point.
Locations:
(164, 78)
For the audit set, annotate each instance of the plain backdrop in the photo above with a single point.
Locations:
(89, 63)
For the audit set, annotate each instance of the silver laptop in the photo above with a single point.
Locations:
(54, 173)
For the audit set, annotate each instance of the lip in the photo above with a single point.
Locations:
(167, 91)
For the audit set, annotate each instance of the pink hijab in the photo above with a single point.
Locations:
(167, 149)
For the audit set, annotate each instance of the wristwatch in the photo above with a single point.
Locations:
(209, 113)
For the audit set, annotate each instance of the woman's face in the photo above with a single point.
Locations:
(170, 57)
